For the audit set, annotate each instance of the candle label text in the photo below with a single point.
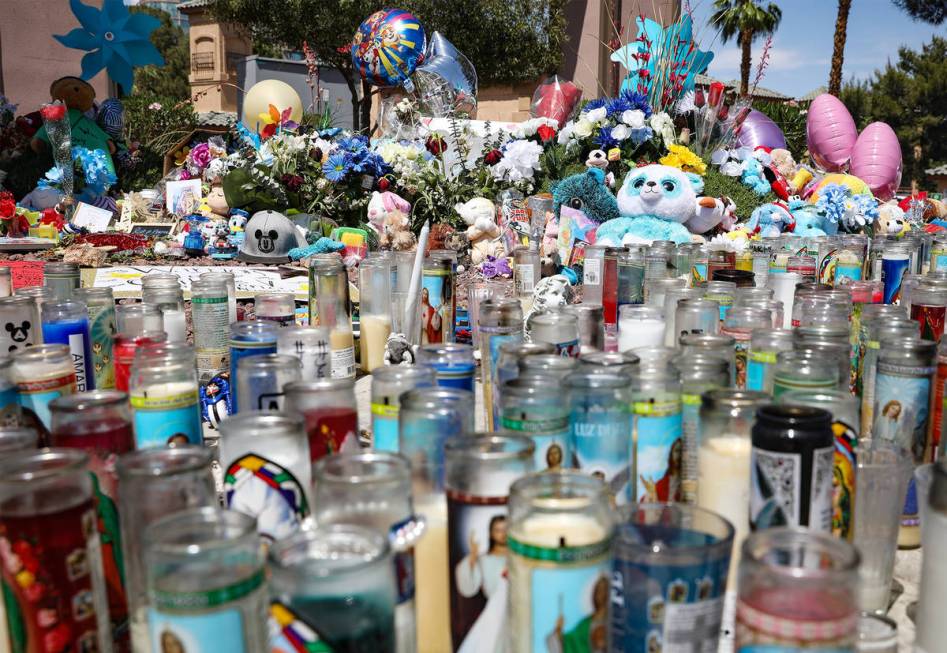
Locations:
(602, 446)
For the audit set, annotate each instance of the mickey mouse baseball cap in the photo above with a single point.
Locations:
(269, 237)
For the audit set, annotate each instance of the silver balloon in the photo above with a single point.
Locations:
(446, 81)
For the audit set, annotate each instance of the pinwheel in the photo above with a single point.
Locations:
(114, 39)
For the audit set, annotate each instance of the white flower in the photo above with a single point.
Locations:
(662, 124)
(565, 134)
(621, 132)
(596, 116)
(520, 160)
(583, 128)
(155, 106)
(634, 118)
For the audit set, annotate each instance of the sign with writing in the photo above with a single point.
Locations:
(125, 281)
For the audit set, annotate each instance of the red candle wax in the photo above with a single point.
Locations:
(328, 428)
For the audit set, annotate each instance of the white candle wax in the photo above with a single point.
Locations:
(175, 325)
(931, 625)
(432, 584)
(634, 333)
(374, 334)
(723, 486)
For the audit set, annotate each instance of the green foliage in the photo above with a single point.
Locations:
(507, 40)
(169, 80)
(910, 95)
(744, 20)
(153, 124)
(791, 118)
(929, 11)
(717, 184)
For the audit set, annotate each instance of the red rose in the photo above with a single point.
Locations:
(57, 640)
(493, 157)
(436, 144)
(383, 184)
(545, 132)
(716, 93)
(53, 111)
(7, 208)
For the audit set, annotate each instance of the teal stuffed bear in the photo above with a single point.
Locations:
(588, 193)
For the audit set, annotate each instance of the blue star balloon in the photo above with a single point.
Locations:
(662, 41)
(114, 39)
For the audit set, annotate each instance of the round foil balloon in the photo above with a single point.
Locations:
(876, 159)
(759, 130)
(830, 133)
(387, 47)
(446, 81)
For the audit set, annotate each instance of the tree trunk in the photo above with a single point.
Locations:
(838, 52)
(349, 76)
(365, 122)
(746, 41)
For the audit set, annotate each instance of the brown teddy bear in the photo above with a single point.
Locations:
(396, 232)
(79, 97)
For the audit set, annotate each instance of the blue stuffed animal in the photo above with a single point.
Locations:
(588, 193)
(770, 220)
(655, 202)
(810, 220)
(753, 176)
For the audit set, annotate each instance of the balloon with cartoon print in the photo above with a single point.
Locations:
(387, 47)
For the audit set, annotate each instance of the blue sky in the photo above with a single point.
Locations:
(802, 46)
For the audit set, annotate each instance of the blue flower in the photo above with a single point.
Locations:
(595, 103)
(604, 139)
(628, 100)
(642, 134)
(329, 133)
(353, 143)
(336, 167)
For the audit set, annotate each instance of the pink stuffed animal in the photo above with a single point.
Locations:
(382, 204)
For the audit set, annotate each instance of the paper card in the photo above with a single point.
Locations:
(125, 281)
(25, 273)
(91, 217)
(183, 197)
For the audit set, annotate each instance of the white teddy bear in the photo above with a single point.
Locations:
(483, 231)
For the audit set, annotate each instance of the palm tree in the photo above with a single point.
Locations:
(838, 50)
(745, 20)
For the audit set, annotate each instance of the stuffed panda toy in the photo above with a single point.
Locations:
(656, 201)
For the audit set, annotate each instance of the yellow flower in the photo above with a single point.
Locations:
(683, 158)
(180, 157)
(25, 578)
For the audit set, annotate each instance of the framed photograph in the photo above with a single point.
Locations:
(183, 197)
(153, 229)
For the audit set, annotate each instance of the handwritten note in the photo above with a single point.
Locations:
(25, 273)
(125, 281)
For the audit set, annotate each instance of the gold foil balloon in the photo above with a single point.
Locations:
(262, 94)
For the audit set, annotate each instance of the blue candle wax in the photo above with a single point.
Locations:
(74, 333)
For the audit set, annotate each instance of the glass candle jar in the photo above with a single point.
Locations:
(6, 281)
(374, 311)
(696, 316)
(672, 297)
(388, 384)
(673, 551)
(803, 265)
(547, 366)
(724, 457)
(532, 406)
(67, 323)
(453, 363)
(261, 380)
(164, 400)
(21, 323)
(631, 270)
(154, 281)
(278, 307)
(784, 287)
(38, 294)
(721, 345)
(330, 283)
(210, 315)
(610, 285)
(658, 432)
(526, 272)
(338, 583)
(640, 326)
(740, 323)
(438, 307)
(719, 259)
(170, 301)
(47, 514)
(331, 414)
(830, 350)
(311, 346)
(895, 263)
(591, 326)
(124, 348)
(17, 439)
(480, 471)
(699, 373)
(253, 338)
(559, 563)
(800, 436)
(803, 370)
(266, 465)
(155, 482)
(134, 319)
(721, 292)
(875, 328)
(593, 268)
(228, 279)
(100, 305)
(206, 582)
(655, 290)
(10, 413)
(797, 590)
(43, 373)
(501, 321)
(929, 309)
(373, 490)
(61, 279)
(603, 362)
(600, 426)
(559, 328)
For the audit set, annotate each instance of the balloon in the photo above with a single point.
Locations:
(854, 184)
(830, 133)
(387, 47)
(270, 91)
(446, 81)
(759, 130)
(876, 158)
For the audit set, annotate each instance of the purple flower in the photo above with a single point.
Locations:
(200, 155)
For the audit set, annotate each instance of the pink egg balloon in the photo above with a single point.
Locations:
(830, 133)
(876, 159)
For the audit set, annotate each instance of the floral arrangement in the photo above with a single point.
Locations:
(93, 175)
(681, 157)
(848, 210)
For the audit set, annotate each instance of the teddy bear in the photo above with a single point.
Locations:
(771, 219)
(581, 203)
(381, 204)
(809, 221)
(656, 202)
(891, 220)
(396, 232)
(783, 162)
(483, 232)
(79, 98)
